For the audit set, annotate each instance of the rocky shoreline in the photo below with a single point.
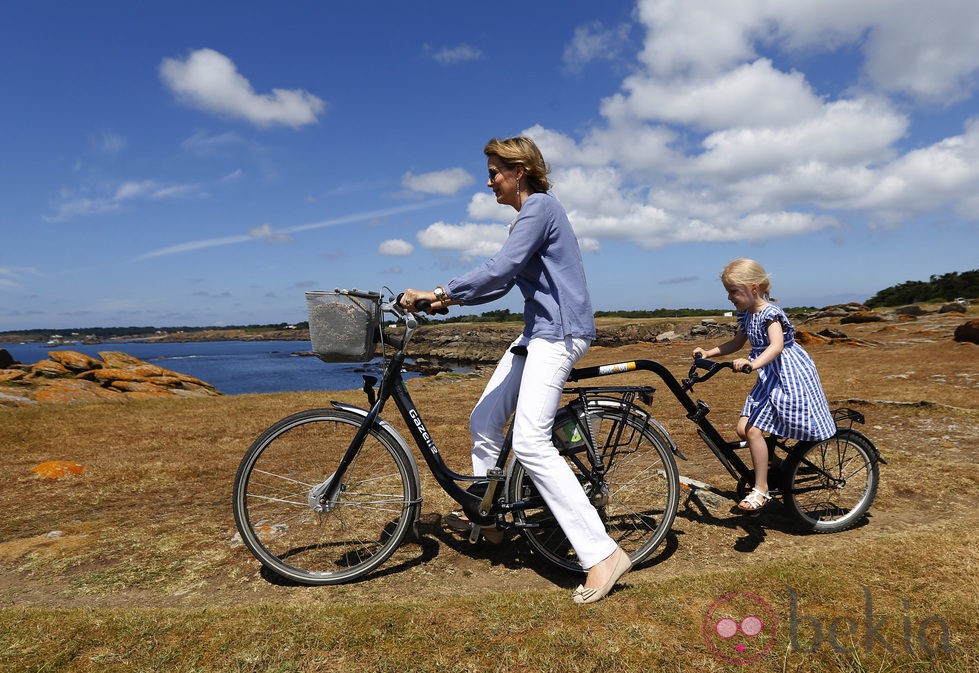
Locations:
(69, 376)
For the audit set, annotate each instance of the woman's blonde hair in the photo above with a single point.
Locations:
(744, 272)
(521, 151)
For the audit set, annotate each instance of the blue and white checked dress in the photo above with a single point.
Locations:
(788, 399)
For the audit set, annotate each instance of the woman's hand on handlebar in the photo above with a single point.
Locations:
(420, 300)
(699, 352)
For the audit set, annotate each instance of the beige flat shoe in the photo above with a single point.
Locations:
(623, 564)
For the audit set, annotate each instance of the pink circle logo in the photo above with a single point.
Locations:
(740, 628)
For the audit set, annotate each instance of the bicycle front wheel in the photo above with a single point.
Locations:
(638, 496)
(831, 484)
(289, 522)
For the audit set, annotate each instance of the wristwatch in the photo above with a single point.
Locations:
(441, 295)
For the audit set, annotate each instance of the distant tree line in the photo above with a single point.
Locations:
(133, 331)
(946, 287)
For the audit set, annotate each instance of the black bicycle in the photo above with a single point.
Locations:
(325, 496)
(828, 486)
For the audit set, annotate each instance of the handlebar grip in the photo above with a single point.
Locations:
(424, 305)
(704, 363)
(746, 369)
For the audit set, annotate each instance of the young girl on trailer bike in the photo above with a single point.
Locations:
(788, 399)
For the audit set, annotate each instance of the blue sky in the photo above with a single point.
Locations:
(199, 163)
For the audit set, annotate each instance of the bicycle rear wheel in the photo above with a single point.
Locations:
(831, 484)
(280, 507)
(637, 502)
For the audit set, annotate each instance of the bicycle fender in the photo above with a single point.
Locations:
(387, 427)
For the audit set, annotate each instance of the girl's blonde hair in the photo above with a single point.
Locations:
(521, 150)
(744, 272)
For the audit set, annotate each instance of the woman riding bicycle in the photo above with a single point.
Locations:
(540, 256)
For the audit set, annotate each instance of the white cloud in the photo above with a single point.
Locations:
(594, 42)
(752, 94)
(256, 232)
(721, 133)
(13, 276)
(483, 206)
(845, 132)
(458, 54)
(111, 143)
(74, 203)
(446, 182)
(208, 144)
(267, 232)
(470, 240)
(926, 50)
(210, 81)
(395, 248)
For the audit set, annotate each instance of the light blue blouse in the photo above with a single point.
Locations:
(541, 256)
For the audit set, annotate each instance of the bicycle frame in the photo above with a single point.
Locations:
(724, 450)
(697, 411)
(477, 507)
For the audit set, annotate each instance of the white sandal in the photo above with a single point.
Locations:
(755, 501)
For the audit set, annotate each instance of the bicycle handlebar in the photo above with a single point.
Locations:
(423, 305)
(712, 367)
(704, 363)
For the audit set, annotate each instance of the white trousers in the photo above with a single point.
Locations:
(530, 389)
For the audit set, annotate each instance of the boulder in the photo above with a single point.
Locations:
(953, 307)
(49, 368)
(74, 390)
(912, 310)
(968, 332)
(808, 338)
(9, 400)
(6, 359)
(107, 375)
(120, 360)
(861, 317)
(57, 469)
(75, 361)
(11, 374)
(69, 376)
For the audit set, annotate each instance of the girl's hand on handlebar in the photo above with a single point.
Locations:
(699, 352)
(743, 366)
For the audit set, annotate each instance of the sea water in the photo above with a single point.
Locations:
(233, 367)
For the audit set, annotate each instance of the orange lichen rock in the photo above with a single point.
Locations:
(57, 469)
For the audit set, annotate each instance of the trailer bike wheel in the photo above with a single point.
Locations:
(289, 520)
(639, 496)
(831, 484)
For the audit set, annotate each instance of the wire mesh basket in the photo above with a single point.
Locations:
(343, 325)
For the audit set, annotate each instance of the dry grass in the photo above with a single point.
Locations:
(143, 575)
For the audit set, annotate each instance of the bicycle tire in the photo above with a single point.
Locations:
(275, 498)
(830, 485)
(642, 486)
